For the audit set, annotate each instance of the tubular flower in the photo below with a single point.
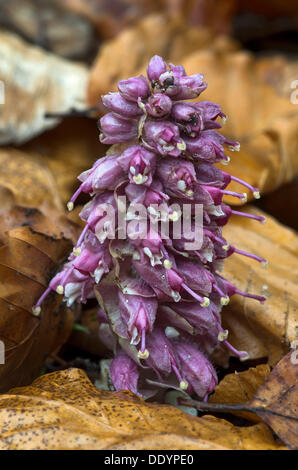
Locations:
(159, 288)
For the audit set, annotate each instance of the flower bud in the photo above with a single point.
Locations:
(209, 112)
(163, 137)
(138, 313)
(196, 368)
(177, 176)
(207, 147)
(116, 103)
(156, 67)
(134, 88)
(158, 105)
(74, 284)
(116, 129)
(139, 163)
(190, 87)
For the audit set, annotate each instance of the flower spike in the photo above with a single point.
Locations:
(159, 290)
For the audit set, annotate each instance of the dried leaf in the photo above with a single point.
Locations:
(48, 24)
(69, 149)
(68, 412)
(260, 116)
(52, 224)
(110, 17)
(263, 330)
(240, 388)
(25, 180)
(201, 13)
(35, 83)
(279, 395)
(28, 260)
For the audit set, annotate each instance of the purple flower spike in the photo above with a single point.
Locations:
(158, 286)
(134, 88)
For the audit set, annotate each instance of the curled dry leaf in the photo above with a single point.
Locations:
(279, 396)
(35, 83)
(28, 260)
(262, 330)
(26, 180)
(240, 388)
(70, 413)
(261, 116)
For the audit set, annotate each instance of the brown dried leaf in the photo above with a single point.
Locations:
(35, 83)
(25, 180)
(263, 330)
(240, 388)
(279, 395)
(68, 412)
(53, 224)
(49, 24)
(261, 115)
(69, 149)
(201, 13)
(28, 260)
(110, 17)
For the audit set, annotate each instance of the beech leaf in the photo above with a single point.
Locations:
(240, 387)
(35, 83)
(25, 180)
(279, 395)
(28, 260)
(68, 412)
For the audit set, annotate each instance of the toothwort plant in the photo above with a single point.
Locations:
(159, 303)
